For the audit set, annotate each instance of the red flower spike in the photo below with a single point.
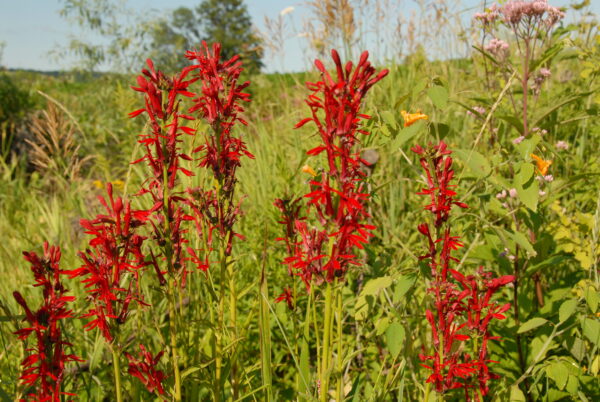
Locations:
(43, 368)
(287, 297)
(115, 252)
(338, 197)
(220, 104)
(144, 368)
(455, 310)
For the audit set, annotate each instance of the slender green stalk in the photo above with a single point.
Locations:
(117, 372)
(173, 340)
(265, 337)
(326, 357)
(168, 250)
(217, 387)
(427, 391)
(235, 385)
(340, 360)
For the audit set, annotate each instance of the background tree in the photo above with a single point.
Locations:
(172, 36)
(228, 22)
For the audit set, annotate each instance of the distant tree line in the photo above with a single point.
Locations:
(126, 37)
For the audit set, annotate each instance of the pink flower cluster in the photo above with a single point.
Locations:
(514, 12)
(498, 48)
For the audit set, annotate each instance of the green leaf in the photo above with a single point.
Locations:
(374, 286)
(527, 188)
(4, 396)
(477, 163)
(572, 385)
(527, 147)
(525, 174)
(513, 121)
(567, 309)
(406, 134)
(438, 96)
(381, 326)
(189, 371)
(394, 337)
(529, 194)
(522, 241)
(419, 87)
(403, 285)
(551, 109)
(559, 373)
(389, 118)
(591, 330)
(531, 324)
(516, 395)
(591, 297)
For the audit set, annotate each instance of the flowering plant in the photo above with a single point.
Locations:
(456, 310)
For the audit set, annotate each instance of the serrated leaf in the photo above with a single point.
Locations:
(438, 96)
(394, 336)
(566, 310)
(531, 324)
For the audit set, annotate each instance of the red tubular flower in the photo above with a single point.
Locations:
(115, 251)
(287, 297)
(339, 196)
(220, 105)
(163, 155)
(43, 368)
(162, 142)
(455, 310)
(144, 368)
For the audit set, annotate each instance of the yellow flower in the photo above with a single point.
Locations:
(119, 184)
(98, 184)
(542, 165)
(411, 118)
(309, 170)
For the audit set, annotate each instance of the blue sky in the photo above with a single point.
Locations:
(31, 29)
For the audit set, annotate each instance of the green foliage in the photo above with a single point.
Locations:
(553, 238)
(14, 101)
(228, 23)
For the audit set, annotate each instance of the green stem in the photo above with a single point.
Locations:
(220, 327)
(427, 391)
(233, 319)
(117, 372)
(326, 357)
(173, 336)
(340, 360)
